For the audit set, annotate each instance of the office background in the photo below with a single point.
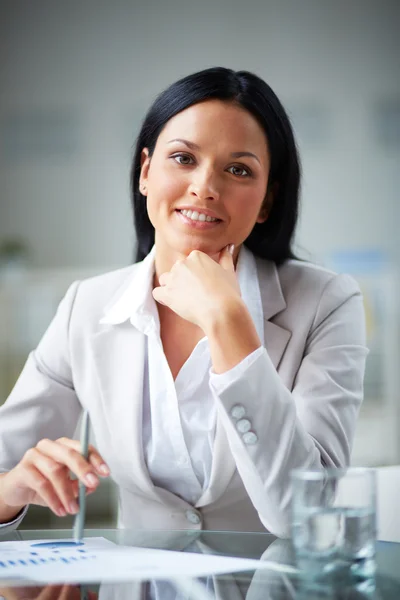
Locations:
(76, 79)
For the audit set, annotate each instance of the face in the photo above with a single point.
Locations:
(206, 181)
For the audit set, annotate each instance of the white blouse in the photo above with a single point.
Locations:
(179, 416)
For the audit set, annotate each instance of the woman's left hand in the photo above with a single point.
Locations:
(198, 288)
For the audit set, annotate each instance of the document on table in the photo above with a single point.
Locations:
(99, 560)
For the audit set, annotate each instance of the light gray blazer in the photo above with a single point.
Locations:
(302, 396)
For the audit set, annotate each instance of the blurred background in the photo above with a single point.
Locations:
(75, 81)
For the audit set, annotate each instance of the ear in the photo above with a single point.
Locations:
(144, 170)
(268, 202)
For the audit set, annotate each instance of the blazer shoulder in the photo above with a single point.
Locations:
(308, 279)
(95, 293)
(318, 292)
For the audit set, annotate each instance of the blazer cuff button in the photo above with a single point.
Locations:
(243, 425)
(238, 411)
(250, 438)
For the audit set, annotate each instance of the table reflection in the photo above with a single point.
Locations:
(271, 584)
(48, 592)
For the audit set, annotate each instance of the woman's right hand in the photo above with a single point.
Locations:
(43, 476)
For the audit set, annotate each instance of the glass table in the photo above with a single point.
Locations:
(254, 585)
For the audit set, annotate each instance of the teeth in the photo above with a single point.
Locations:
(196, 216)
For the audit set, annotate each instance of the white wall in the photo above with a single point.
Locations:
(100, 63)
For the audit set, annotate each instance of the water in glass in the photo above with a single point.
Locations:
(337, 537)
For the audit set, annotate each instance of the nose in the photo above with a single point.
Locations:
(203, 186)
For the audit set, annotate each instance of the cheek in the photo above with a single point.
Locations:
(164, 186)
(246, 208)
(163, 193)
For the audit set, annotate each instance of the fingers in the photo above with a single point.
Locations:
(52, 462)
(20, 592)
(43, 476)
(43, 488)
(179, 261)
(55, 481)
(73, 592)
(69, 456)
(226, 258)
(70, 592)
(163, 279)
(160, 292)
(94, 457)
(51, 592)
(158, 295)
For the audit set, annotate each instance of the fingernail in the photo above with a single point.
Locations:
(104, 470)
(73, 507)
(62, 512)
(91, 479)
(231, 248)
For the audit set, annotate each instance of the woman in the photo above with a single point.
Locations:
(218, 362)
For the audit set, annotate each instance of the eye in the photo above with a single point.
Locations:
(239, 171)
(183, 159)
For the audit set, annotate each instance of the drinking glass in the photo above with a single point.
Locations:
(334, 521)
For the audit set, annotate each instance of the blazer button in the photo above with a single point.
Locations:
(238, 411)
(193, 517)
(250, 438)
(243, 425)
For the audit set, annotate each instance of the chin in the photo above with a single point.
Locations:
(210, 249)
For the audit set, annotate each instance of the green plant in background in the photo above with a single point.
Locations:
(13, 249)
(14, 254)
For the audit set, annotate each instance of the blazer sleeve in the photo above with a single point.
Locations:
(310, 426)
(43, 403)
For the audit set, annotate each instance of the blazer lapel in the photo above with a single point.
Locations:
(222, 467)
(119, 353)
(276, 339)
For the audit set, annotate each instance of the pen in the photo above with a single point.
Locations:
(80, 517)
(83, 593)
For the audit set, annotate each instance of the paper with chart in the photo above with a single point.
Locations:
(99, 560)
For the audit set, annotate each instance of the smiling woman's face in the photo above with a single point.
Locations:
(206, 181)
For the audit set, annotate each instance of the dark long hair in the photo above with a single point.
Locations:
(273, 238)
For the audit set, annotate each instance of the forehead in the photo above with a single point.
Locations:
(216, 122)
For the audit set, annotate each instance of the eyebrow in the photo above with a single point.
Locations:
(194, 146)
